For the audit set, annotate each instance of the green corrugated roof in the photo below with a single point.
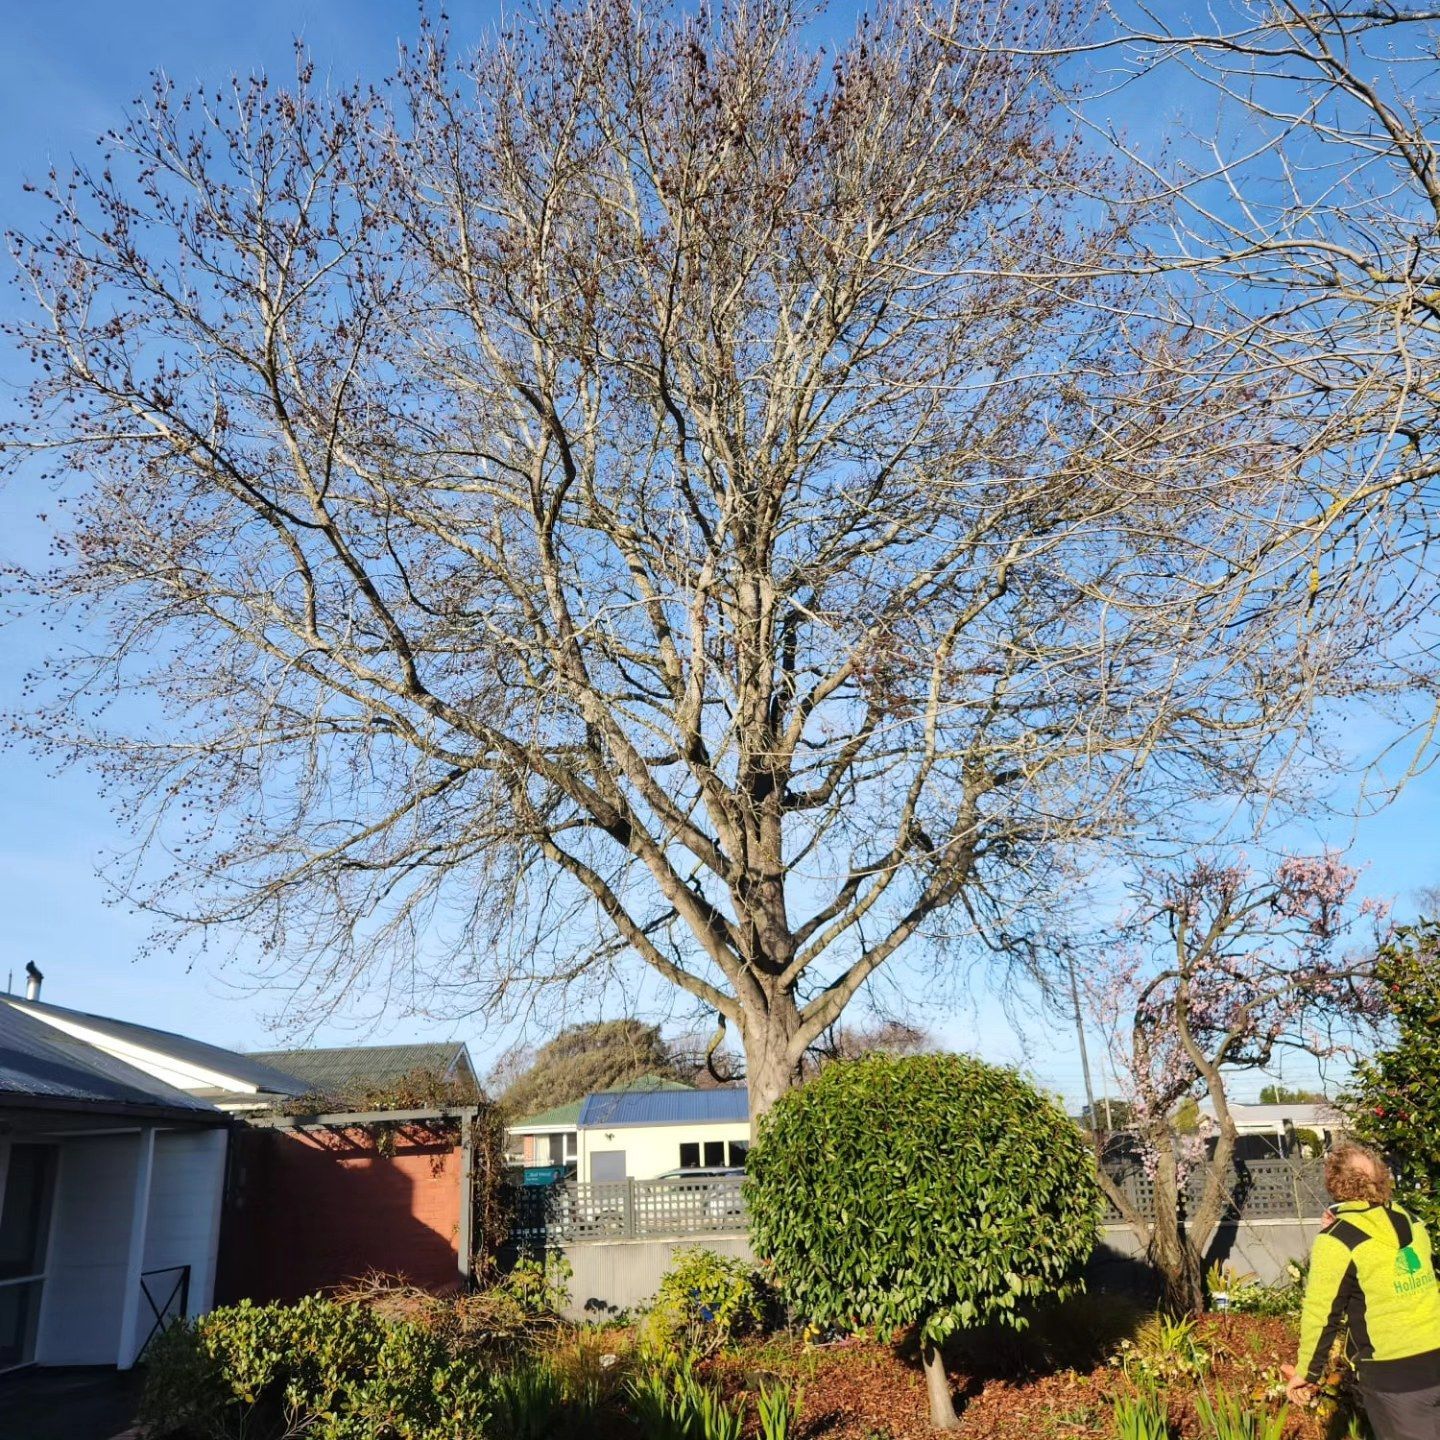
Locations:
(556, 1115)
(340, 1069)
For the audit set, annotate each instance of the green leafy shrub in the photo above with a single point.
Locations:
(414, 1389)
(331, 1371)
(704, 1300)
(184, 1386)
(932, 1191)
(1393, 1102)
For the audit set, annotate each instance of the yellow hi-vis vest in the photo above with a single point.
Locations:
(1373, 1274)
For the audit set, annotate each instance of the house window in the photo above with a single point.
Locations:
(714, 1154)
(739, 1149)
(689, 1157)
(26, 1184)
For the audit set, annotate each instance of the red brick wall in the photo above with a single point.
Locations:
(305, 1210)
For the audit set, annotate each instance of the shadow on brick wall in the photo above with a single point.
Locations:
(307, 1210)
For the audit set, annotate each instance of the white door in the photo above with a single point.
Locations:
(607, 1165)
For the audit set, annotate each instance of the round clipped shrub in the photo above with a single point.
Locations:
(932, 1191)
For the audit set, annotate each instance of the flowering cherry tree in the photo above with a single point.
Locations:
(1224, 967)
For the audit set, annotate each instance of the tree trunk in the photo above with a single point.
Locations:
(768, 1077)
(1182, 1283)
(1175, 1257)
(771, 1066)
(1171, 1251)
(937, 1387)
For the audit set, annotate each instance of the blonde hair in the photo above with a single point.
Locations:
(1356, 1172)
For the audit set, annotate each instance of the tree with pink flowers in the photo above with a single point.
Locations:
(1223, 968)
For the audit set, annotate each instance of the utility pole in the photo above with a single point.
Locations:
(1084, 1053)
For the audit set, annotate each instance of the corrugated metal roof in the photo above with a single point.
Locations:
(231, 1063)
(557, 1115)
(569, 1114)
(40, 1063)
(347, 1068)
(610, 1109)
(1304, 1113)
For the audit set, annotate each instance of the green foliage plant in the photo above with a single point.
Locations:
(1283, 1300)
(653, 1406)
(1393, 1102)
(184, 1387)
(1224, 1280)
(705, 1299)
(1165, 1350)
(1241, 1292)
(529, 1402)
(669, 1402)
(1140, 1415)
(1226, 1416)
(779, 1409)
(926, 1191)
(319, 1368)
(538, 1287)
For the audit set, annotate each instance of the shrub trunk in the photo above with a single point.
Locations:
(937, 1387)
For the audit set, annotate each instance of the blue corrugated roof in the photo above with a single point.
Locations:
(609, 1109)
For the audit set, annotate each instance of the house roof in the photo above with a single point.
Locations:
(346, 1068)
(40, 1065)
(562, 1116)
(1303, 1114)
(611, 1109)
(247, 1069)
(556, 1117)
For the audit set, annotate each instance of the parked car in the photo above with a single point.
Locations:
(715, 1172)
(719, 1184)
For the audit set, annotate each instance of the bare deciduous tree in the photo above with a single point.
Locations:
(1306, 212)
(652, 490)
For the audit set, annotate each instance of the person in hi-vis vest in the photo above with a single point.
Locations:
(1372, 1278)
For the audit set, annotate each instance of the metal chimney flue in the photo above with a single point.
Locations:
(33, 978)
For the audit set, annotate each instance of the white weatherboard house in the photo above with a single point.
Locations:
(551, 1139)
(112, 1173)
(637, 1135)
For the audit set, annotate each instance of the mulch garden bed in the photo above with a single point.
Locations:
(1056, 1387)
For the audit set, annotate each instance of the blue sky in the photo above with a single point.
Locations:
(67, 72)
